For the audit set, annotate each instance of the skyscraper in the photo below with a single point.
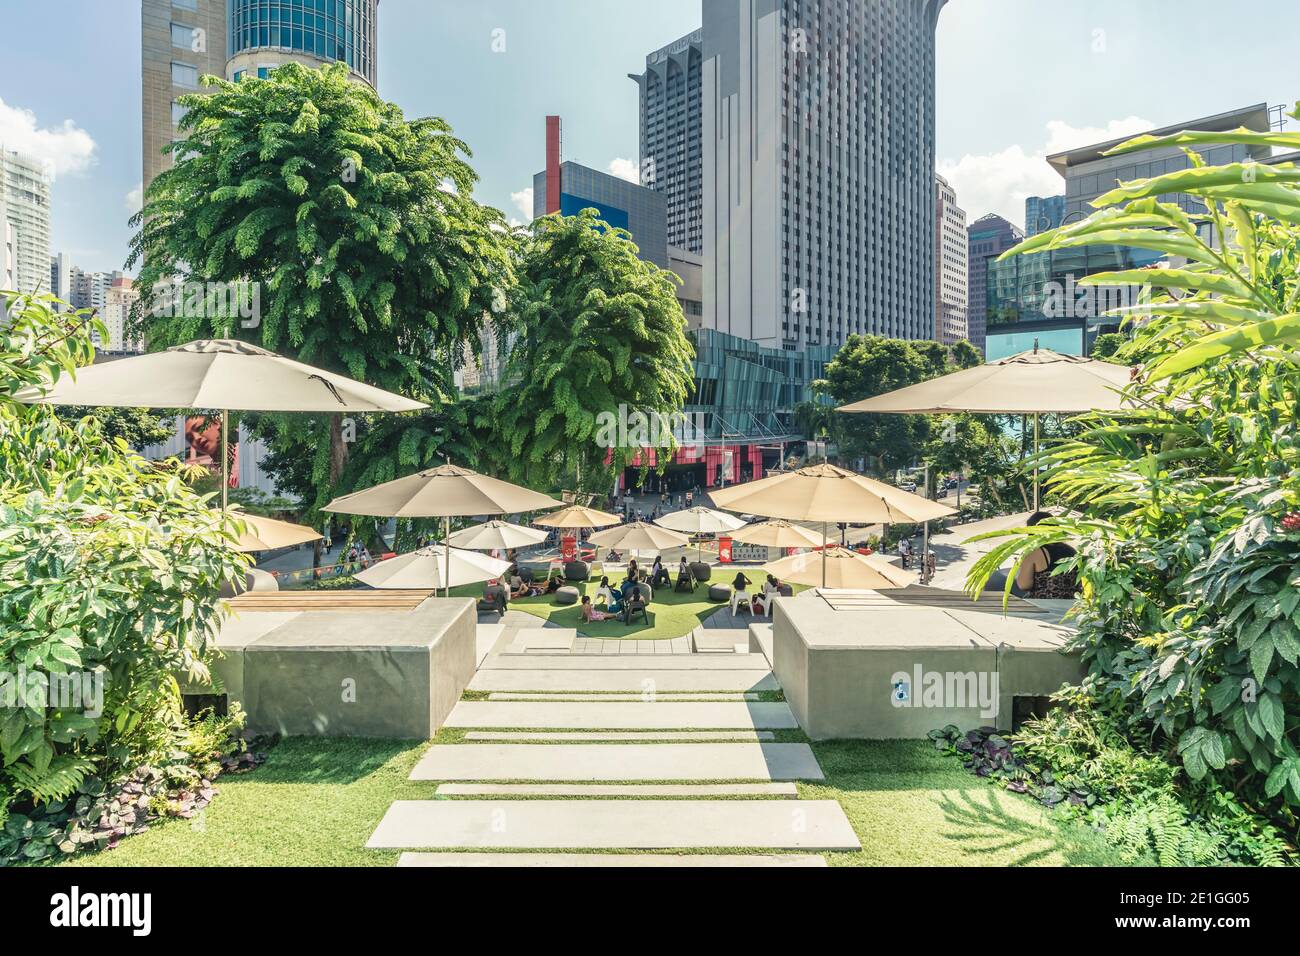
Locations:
(25, 208)
(989, 237)
(672, 159)
(950, 254)
(1043, 213)
(818, 178)
(183, 40)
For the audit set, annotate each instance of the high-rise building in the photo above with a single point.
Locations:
(1043, 213)
(25, 207)
(988, 237)
(120, 296)
(8, 256)
(183, 40)
(672, 160)
(89, 290)
(819, 169)
(950, 255)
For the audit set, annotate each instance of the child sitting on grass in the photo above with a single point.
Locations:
(590, 614)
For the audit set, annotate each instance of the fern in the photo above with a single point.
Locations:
(59, 781)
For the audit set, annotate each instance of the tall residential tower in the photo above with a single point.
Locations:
(819, 192)
(950, 278)
(25, 222)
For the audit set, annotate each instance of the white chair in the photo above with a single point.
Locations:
(741, 597)
(765, 601)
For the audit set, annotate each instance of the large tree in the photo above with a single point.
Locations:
(357, 231)
(601, 334)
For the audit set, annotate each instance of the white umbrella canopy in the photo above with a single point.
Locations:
(220, 374)
(779, 533)
(433, 568)
(577, 517)
(700, 521)
(442, 492)
(267, 534)
(496, 534)
(1035, 382)
(639, 536)
(842, 569)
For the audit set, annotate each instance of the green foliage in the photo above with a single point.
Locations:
(110, 574)
(601, 329)
(1108, 344)
(360, 230)
(1187, 505)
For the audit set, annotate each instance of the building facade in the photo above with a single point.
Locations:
(25, 208)
(1038, 298)
(672, 124)
(987, 238)
(819, 169)
(950, 253)
(1043, 213)
(119, 298)
(621, 204)
(184, 40)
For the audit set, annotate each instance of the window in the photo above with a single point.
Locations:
(185, 75)
(183, 36)
(186, 4)
(178, 112)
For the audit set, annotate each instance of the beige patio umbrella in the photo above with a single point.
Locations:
(639, 536)
(434, 567)
(840, 568)
(268, 534)
(1031, 383)
(577, 517)
(496, 535)
(827, 493)
(219, 374)
(444, 492)
(779, 533)
(700, 521)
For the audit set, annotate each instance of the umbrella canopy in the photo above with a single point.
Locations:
(267, 534)
(843, 569)
(1035, 382)
(441, 492)
(435, 567)
(576, 516)
(779, 533)
(700, 521)
(496, 534)
(639, 536)
(827, 493)
(220, 374)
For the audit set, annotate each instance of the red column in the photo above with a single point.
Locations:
(552, 164)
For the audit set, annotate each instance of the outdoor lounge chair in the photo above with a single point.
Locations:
(636, 604)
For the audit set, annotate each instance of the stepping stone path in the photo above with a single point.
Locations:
(618, 753)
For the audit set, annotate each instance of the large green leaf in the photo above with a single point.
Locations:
(1282, 330)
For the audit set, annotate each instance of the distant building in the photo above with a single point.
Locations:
(987, 238)
(690, 294)
(950, 269)
(8, 256)
(89, 290)
(61, 278)
(1043, 213)
(672, 126)
(116, 314)
(25, 208)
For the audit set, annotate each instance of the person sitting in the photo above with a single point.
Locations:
(614, 556)
(590, 614)
(606, 593)
(495, 598)
(659, 574)
(771, 590)
(554, 581)
(740, 582)
(685, 580)
(632, 569)
(739, 596)
(519, 588)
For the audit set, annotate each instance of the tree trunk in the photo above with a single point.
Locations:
(338, 451)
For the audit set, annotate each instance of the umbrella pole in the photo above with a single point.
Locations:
(446, 533)
(823, 554)
(1035, 461)
(225, 459)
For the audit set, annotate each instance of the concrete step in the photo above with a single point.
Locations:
(528, 715)
(618, 762)
(615, 824)
(577, 679)
(627, 662)
(645, 736)
(649, 697)
(486, 638)
(776, 791)
(760, 639)
(720, 640)
(517, 860)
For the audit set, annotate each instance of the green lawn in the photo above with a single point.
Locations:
(316, 801)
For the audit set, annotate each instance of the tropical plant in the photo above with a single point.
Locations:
(352, 239)
(602, 366)
(110, 575)
(1187, 506)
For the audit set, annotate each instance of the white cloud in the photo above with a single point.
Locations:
(1000, 182)
(628, 169)
(65, 149)
(523, 201)
(135, 199)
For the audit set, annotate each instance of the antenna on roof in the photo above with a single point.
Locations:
(1035, 345)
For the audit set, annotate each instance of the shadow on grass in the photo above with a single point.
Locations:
(332, 760)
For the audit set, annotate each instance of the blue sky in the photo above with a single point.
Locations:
(1016, 78)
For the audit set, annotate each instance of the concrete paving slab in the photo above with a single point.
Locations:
(615, 824)
(619, 762)
(644, 736)
(627, 662)
(537, 860)
(776, 791)
(649, 697)
(527, 715)
(637, 680)
(529, 639)
(720, 640)
(486, 637)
